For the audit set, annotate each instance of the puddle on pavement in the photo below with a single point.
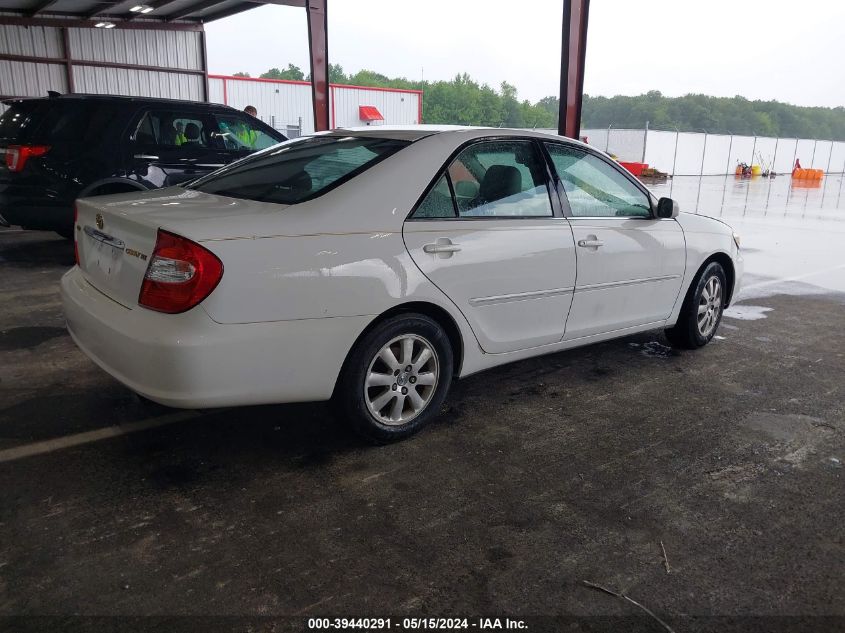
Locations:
(746, 313)
(654, 349)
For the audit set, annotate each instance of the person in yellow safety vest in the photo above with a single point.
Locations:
(180, 134)
(246, 135)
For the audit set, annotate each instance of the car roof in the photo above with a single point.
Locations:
(118, 99)
(416, 132)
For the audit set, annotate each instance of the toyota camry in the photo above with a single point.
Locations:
(372, 267)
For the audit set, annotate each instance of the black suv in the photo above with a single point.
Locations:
(56, 149)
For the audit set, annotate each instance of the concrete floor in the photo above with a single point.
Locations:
(538, 476)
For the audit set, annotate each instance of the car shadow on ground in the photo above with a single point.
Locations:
(51, 250)
(237, 443)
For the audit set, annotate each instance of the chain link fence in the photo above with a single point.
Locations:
(704, 154)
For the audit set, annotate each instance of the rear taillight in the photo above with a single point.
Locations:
(181, 273)
(17, 155)
(75, 235)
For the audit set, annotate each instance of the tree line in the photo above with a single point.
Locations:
(464, 101)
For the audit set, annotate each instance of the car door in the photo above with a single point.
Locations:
(630, 263)
(487, 235)
(169, 146)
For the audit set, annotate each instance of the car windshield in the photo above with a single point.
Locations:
(298, 170)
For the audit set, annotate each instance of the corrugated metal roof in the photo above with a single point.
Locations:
(163, 10)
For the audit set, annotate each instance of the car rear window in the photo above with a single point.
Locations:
(74, 122)
(59, 120)
(15, 121)
(298, 170)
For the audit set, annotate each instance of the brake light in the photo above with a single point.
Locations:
(181, 273)
(75, 235)
(17, 155)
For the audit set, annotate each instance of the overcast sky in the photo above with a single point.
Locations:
(780, 49)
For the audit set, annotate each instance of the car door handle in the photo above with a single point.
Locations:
(590, 243)
(146, 157)
(441, 248)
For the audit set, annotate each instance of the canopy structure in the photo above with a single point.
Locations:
(192, 14)
(121, 12)
(160, 15)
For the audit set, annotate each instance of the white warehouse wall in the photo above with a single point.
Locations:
(398, 107)
(283, 103)
(172, 50)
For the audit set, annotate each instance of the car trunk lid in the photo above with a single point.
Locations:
(116, 235)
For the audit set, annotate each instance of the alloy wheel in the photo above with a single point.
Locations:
(709, 306)
(401, 379)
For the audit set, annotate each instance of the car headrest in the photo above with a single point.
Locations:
(500, 181)
(192, 132)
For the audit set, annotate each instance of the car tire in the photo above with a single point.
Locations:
(378, 396)
(702, 309)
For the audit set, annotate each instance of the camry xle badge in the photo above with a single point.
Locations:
(99, 221)
(134, 253)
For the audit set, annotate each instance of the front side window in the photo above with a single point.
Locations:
(238, 133)
(503, 179)
(171, 129)
(594, 188)
(298, 170)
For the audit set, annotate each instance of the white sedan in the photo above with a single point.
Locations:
(373, 266)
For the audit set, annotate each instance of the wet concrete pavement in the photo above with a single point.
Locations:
(538, 476)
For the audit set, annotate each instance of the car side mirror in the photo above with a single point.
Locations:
(667, 208)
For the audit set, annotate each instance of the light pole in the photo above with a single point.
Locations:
(701, 171)
(727, 170)
(674, 160)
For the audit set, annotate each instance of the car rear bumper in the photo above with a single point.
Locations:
(188, 360)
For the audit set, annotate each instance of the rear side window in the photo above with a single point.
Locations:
(505, 179)
(73, 121)
(438, 203)
(15, 121)
(298, 170)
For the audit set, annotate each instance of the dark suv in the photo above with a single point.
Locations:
(56, 149)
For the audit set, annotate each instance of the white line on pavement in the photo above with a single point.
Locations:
(772, 282)
(58, 443)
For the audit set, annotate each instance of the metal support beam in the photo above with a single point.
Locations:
(194, 8)
(225, 13)
(97, 64)
(205, 91)
(42, 6)
(157, 5)
(73, 22)
(318, 47)
(572, 58)
(102, 8)
(246, 6)
(68, 60)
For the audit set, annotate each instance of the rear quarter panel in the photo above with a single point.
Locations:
(284, 278)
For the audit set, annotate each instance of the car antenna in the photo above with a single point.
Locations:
(53, 94)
